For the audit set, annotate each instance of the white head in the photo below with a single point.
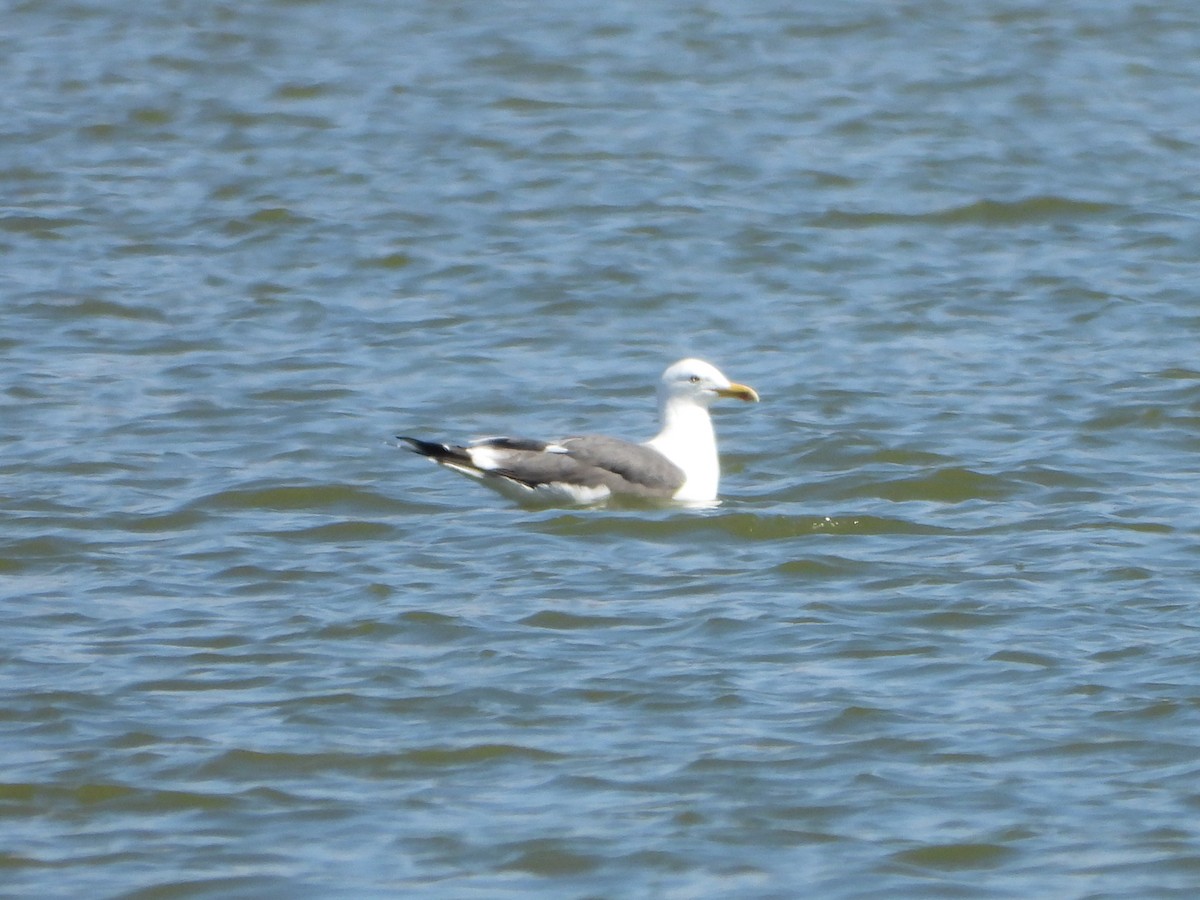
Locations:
(698, 382)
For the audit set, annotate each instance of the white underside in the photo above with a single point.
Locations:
(551, 493)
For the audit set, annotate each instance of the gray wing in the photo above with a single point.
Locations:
(639, 468)
(589, 461)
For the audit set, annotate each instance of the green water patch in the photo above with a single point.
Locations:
(956, 856)
(16, 796)
(743, 526)
(1032, 210)
(177, 520)
(950, 485)
(551, 858)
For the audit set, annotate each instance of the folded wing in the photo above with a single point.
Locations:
(587, 467)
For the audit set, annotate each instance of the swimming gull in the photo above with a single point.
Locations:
(680, 463)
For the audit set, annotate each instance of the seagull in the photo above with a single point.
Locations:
(680, 463)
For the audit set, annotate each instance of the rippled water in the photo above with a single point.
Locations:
(938, 640)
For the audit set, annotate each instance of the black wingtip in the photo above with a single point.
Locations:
(424, 448)
(435, 451)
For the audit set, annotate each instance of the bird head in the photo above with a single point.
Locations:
(701, 383)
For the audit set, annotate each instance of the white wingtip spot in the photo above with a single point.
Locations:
(484, 458)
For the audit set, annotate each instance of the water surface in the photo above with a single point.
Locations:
(939, 637)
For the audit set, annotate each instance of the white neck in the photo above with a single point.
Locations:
(687, 439)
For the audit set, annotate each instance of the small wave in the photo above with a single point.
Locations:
(340, 532)
(556, 620)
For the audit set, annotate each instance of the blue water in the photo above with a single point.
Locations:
(938, 640)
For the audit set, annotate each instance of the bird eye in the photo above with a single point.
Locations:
(695, 379)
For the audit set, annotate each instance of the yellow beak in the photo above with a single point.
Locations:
(740, 391)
